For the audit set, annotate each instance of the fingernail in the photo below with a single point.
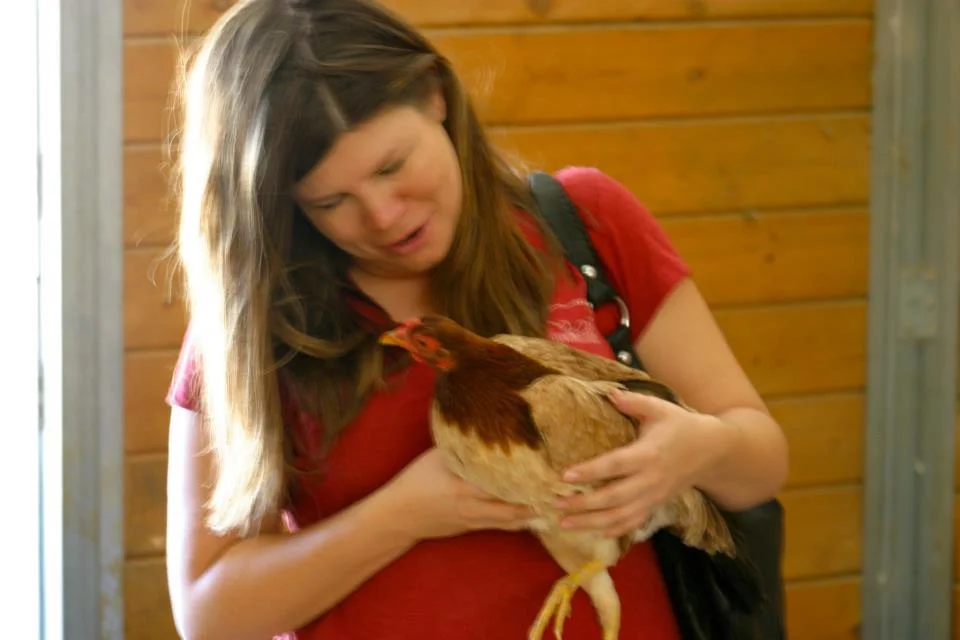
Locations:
(571, 476)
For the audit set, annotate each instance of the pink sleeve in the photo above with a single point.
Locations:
(640, 260)
(184, 390)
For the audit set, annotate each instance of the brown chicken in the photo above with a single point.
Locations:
(511, 413)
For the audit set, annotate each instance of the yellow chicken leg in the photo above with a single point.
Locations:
(557, 604)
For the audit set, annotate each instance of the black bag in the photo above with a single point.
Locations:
(708, 604)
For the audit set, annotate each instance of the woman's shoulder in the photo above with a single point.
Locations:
(605, 203)
(641, 259)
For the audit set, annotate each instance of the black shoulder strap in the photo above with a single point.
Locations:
(565, 222)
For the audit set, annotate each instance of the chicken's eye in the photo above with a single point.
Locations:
(422, 342)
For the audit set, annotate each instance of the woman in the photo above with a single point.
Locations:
(334, 180)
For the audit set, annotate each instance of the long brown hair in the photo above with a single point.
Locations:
(265, 95)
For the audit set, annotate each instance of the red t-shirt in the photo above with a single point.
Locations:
(489, 584)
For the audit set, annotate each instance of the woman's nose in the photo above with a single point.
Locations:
(382, 207)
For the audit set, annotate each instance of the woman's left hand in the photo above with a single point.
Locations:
(674, 448)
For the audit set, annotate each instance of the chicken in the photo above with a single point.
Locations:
(510, 413)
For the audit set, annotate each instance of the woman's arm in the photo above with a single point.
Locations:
(225, 587)
(683, 347)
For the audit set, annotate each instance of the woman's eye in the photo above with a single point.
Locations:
(391, 168)
(328, 206)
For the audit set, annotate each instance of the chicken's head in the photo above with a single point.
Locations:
(432, 340)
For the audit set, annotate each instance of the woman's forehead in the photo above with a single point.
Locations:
(359, 152)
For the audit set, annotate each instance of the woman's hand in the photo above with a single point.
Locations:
(434, 503)
(674, 448)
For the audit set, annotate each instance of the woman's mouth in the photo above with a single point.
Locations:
(413, 241)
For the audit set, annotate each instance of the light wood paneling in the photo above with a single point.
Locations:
(824, 610)
(160, 17)
(799, 349)
(824, 535)
(711, 165)
(775, 258)
(154, 314)
(146, 414)
(145, 503)
(149, 206)
(693, 71)
(825, 435)
(147, 614)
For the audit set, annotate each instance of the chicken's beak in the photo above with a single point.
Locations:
(394, 338)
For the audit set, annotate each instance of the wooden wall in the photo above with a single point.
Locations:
(744, 124)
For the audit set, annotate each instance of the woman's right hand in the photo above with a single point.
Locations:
(435, 503)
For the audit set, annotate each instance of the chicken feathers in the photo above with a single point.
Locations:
(511, 413)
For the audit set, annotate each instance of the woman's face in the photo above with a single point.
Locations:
(389, 192)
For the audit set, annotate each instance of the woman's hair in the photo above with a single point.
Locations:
(264, 97)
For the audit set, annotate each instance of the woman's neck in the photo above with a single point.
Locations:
(402, 298)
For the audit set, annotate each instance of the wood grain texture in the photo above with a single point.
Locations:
(824, 609)
(145, 503)
(147, 614)
(826, 437)
(154, 314)
(775, 257)
(149, 203)
(710, 166)
(159, 17)
(824, 536)
(796, 349)
(146, 414)
(646, 72)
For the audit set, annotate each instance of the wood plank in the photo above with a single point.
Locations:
(159, 17)
(826, 436)
(823, 531)
(149, 209)
(646, 72)
(626, 73)
(154, 315)
(146, 414)
(747, 165)
(147, 614)
(824, 610)
(684, 167)
(145, 503)
(776, 257)
(821, 610)
(789, 350)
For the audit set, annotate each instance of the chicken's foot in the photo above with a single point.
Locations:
(557, 604)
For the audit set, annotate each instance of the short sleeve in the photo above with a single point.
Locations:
(639, 258)
(184, 390)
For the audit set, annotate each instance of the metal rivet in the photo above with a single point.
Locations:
(624, 357)
(589, 270)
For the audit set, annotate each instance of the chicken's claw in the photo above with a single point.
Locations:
(558, 602)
